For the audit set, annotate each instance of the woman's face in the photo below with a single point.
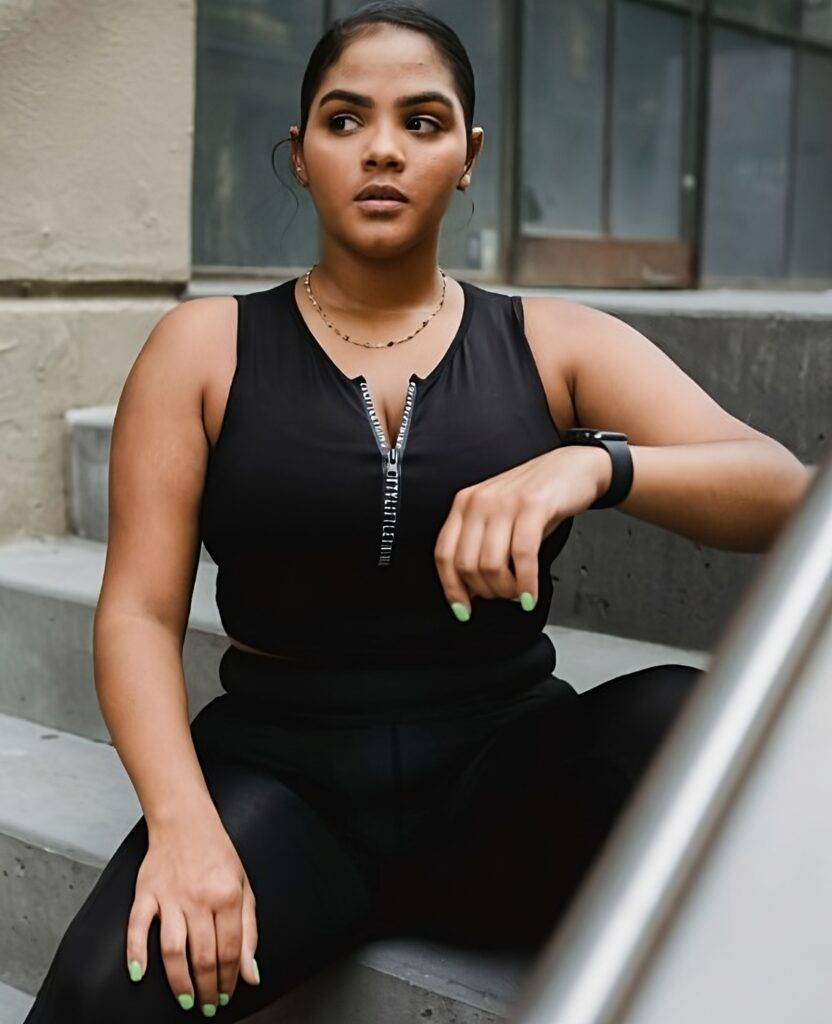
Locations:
(371, 137)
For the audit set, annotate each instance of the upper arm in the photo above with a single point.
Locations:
(620, 380)
(158, 456)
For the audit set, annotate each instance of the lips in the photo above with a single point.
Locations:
(381, 192)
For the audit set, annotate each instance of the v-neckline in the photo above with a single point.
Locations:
(305, 329)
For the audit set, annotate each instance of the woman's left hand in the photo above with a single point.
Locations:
(508, 516)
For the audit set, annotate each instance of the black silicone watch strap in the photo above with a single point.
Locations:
(622, 463)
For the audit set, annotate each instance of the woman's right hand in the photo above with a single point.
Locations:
(193, 879)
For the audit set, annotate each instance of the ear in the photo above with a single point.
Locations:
(477, 140)
(298, 168)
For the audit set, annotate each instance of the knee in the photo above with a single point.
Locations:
(89, 981)
(668, 687)
(632, 713)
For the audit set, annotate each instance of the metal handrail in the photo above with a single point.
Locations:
(590, 966)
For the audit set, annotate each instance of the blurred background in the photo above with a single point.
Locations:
(638, 143)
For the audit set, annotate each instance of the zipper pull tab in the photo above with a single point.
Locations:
(392, 462)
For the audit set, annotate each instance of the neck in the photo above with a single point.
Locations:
(351, 284)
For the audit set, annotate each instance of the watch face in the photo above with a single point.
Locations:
(588, 434)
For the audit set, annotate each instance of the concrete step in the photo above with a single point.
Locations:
(65, 805)
(14, 1004)
(89, 430)
(48, 593)
(49, 588)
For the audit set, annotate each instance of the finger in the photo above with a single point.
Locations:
(525, 550)
(228, 925)
(248, 965)
(142, 912)
(173, 937)
(456, 593)
(468, 549)
(494, 557)
(202, 943)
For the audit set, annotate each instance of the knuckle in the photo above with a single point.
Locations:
(171, 949)
(204, 962)
(522, 549)
(534, 503)
(227, 894)
(478, 500)
(491, 565)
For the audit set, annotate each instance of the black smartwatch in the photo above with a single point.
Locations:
(622, 461)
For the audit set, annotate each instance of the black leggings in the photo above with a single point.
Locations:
(457, 804)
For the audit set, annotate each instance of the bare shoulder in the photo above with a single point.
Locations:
(570, 327)
(193, 331)
(194, 346)
(186, 338)
(621, 380)
(555, 329)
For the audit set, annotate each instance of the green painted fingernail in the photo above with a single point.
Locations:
(224, 997)
(460, 611)
(186, 1000)
(208, 1009)
(256, 970)
(527, 601)
(136, 971)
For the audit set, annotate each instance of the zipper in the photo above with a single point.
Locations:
(391, 464)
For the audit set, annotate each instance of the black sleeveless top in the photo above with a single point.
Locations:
(322, 535)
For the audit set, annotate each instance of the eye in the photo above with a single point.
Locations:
(338, 117)
(421, 118)
(427, 120)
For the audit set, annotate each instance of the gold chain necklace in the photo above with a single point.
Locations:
(367, 344)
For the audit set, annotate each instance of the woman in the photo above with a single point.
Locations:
(392, 753)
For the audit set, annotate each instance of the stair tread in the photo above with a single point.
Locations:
(14, 1004)
(71, 568)
(72, 797)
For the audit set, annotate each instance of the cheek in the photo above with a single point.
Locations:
(442, 170)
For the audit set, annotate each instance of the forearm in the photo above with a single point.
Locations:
(734, 495)
(140, 684)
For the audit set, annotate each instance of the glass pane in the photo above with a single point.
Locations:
(811, 249)
(817, 21)
(648, 98)
(562, 116)
(250, 61)
(473, 241)
(748, 156)
(775, 14)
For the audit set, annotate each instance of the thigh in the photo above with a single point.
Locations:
(529, 815)
(631, 714)
(312, 905)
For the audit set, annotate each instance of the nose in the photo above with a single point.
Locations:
(382, 147)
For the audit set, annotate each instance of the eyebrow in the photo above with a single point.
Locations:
(428, 96)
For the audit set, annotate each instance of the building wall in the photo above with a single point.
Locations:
(96, 127)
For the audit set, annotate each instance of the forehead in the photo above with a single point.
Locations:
(384, 61)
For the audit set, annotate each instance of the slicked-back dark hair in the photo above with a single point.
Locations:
(343, 31)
